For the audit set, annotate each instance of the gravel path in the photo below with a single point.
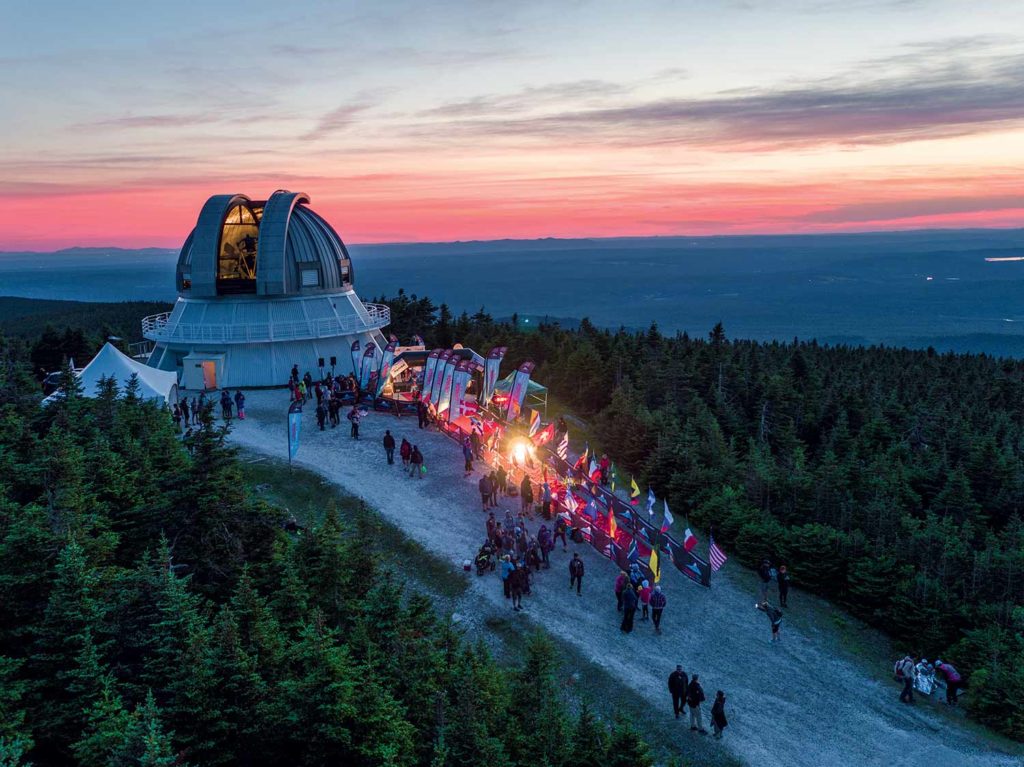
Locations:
(784, 707)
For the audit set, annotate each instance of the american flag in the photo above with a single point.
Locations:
(715, 555)
(563, 447)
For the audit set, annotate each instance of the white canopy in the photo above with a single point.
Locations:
(110, 362)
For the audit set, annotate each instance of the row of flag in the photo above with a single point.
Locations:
(586, 461)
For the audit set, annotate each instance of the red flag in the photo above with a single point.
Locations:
(689, 540)
(545, 435)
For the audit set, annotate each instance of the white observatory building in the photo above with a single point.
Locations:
(262, 285)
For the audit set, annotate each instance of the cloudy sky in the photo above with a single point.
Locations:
(415, 121)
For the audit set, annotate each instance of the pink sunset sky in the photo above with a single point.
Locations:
(411, 121)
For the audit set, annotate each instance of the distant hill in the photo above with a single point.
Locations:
(27, 317)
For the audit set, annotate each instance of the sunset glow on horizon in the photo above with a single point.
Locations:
(491, 121)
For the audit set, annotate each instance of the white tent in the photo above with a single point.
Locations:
(110, 362)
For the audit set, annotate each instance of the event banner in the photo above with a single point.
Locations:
(428, 374)
(442, 363)
(355, 358)
(690, 565)
(444, 399)
(294, 427)
(385, 365)
(518, 392)
(463, 372)
(491, 367)
(369, 357)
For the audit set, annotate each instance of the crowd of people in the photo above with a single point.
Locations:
(186, 412)
(923, 676)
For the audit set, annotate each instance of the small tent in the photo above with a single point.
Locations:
(110, 362)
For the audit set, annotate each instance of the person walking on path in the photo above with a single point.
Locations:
(905, 671)
(492, 527)
(658, 602)
(645, 599)
(628, 610)
(526, 494)
(333, 408)
(354, 418)
(484, 486)
(546, 543)
(782, 579)
(493, 500)
(517, 578)
(576, 573)
(502, 480)
(321, 415)
(421, 413)
(240, 404)
(677, 684)
(621, 582)
(774, 617)
(718, 720)
(694, 697)
(954, 682)
(406, 452)
(467, 454)
(416, 462)
(389, 446)
(560, 528)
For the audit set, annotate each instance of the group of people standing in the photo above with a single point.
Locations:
(922, 675)
(633, 592)
(186, 412)
(687, 693)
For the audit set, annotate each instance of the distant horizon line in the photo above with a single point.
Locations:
(605, 238)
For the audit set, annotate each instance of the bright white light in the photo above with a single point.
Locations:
(519, 452)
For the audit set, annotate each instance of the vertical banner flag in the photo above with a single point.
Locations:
(669, 519)
(428, 374)
(444, 397)
(463, 372)
(689, 540)
(518, 392)
(655, 564)
(435, 390)
(534, 422)
(634, 492)
(294, 427)
(355, 358)
(491, 366)
(369, 357)
(650, 504)
(715, 555)
(385, 365)
(563, 447)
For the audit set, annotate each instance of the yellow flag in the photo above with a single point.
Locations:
(635, 490)
(655, 566)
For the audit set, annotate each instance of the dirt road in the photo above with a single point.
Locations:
(784, 705)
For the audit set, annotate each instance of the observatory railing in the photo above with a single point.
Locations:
(157, 328)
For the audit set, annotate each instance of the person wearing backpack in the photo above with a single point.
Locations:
(905, 672)
(576, 573)
(694, 697)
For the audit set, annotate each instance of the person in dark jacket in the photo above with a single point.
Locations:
(546, 543)
(526, 495)
(334, 411)
(783, 582)
(485, 492)
(658, 602)
(226, 405)
(492, 527)
(240, 404)
(421, 413)
(694, 697)
(677, 684)
(560, 528)
(389, 446)
(354, 416)
(576, 573)
(764, 574)
(416, 462)
(321, 416)
(718, 720)
(517, 586)
(629, 600)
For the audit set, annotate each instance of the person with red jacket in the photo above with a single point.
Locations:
(645, 599)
